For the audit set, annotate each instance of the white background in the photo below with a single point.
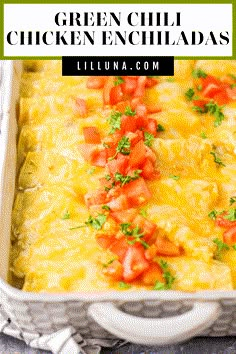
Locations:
(194, 17)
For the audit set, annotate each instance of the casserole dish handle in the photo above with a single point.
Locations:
(155, 331)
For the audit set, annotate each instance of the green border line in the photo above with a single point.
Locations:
(233, 2)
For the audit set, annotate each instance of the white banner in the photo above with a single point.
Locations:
(118, 30)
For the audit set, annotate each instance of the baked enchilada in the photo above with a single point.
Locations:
(126, 182)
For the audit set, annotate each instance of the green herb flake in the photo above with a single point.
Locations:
(231, 215)
(105, 265)
(149, 138)
(216, 111)
(66, 215)
(97, 222)
(143, 212)
(107, 177)
(213, 214)
(118, 80)
(123, 285)
(221, 246)
(106, 207)
(190, 94)
(106, 146)
(160, 128)
(198, 109)
(129, 111)
(217, 159)
(126, 179)
(176, 178)
(199, 73)
(199, 87)
(232, 86)
(159, 286)
(234, 247)
(91, 170)
(133, 235)
(232, 200)
(115, 121)
(203, 135)
(169, 278)
(170, 79)
(232, 76)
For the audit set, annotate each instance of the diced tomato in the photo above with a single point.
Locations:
(129, 86)
(128, 124)
(146, 226)
(166, 247)
(134, 263)
(114, 270)
(87, 150)
(81, 107)
(116, 95)
(200, 103)
(141, 110)
(91, 135)
(151, 81)
(229, 236)
(153, 274)
(141, 121)
(152, 126)
(134, 138)
(231, 93)
(222, 98)
(99, 158)
(119, 247)
(109, 84)
(119, 203)
(149, 172)
(126, 216)
(137, 155)
(209, 80)
(151, 252)
(154, 107)
(137, 192)
(96, 82)
(225, 223)
(140, 88)
(150, 155)
(104, 241)
(119, 164)
(95, 198)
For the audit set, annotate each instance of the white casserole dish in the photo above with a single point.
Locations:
(145, 317)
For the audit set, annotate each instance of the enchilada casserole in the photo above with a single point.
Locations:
(126, 182)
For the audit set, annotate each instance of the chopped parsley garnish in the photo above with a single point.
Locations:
(149, 138)
(106, 207)
(232, 86)
(123, 285)
(143, 212)
(167, 275)
(234, 247)
(221, 246)
(170, 79)
(123, 147)
(91, 170)
(217, 159)
(160, 128)
(203, 135)
(105, 265)
(231, 215)
(199, 87)
(129, 111)
(199, 109)
(96, 223)
(106, 146)
(134, 233)
(107, 177)
(115, 121)
(213, 214)
(118, 80)
(199, 73)
(126, 179)
(232, 76)
(216, 111)
(159, 286)
(66, 215)
(232, 200)
(174, 177)
(190, 94)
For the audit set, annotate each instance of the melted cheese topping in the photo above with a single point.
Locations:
(48, 252)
